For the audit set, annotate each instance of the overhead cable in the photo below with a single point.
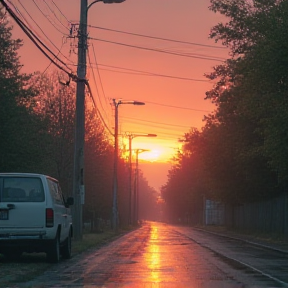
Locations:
(32, 37)
(39, 26)
(97, 110)
(100, 80)
(146, 73)
(158, 38)
(178, 107)
(46, 16)
(160, 51)
(60, 11)
(153, 122)
(55, 15)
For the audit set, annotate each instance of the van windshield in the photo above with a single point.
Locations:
(21, 189)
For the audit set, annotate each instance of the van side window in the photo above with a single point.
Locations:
(55, 192)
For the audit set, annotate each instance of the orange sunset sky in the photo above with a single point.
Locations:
(154, 51)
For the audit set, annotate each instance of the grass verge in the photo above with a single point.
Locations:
(32, 265)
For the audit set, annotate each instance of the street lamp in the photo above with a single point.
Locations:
(78, 170)
(105, 1)
(115, 172)
(136, 185)
(130, 137)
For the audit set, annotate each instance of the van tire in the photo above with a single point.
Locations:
(53, 253)
(66, 249)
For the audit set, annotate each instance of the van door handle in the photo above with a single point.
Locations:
(10, 206)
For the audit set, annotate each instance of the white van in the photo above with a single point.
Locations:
(34, 216)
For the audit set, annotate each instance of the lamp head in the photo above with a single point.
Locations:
(138, 103)
(112, 1)
(128, 102)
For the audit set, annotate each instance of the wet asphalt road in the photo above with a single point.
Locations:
(156, 255)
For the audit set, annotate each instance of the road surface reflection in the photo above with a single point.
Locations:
(152, 256)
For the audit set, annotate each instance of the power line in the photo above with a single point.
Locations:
(153, 122)
(37, 23)
(178, 107)
(90, 90)
(46, 16)
(35, 33)
(34, 39)
(158, 38)
(159, 133)
(100, 80)
(51, 62)
(161, 50)
(53, 12)
(146, 73)
(98, 112)
(60, 11)
(156, 129)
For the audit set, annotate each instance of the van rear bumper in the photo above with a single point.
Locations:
(22, 236)
(25, 244)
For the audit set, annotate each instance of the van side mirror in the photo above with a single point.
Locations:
(70, 201)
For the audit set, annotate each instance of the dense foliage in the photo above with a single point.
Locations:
(23, 134)
(241, 153)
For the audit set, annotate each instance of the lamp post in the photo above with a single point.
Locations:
(130, 137)
(115, 172)
(136, 185)
(78, 170)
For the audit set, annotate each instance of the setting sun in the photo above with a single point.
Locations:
(156, 150)
(149, 155)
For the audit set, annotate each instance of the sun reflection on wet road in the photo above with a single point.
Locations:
(152, 256)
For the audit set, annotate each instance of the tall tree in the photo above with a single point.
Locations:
(22, 132)
(55, 104)
(99, 169)
(240, 155)
(251, 92)
(186, 184)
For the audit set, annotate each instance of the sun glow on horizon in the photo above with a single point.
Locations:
(157, 152)
(150, 155)
(149, 149)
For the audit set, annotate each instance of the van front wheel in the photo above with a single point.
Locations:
(53, 253)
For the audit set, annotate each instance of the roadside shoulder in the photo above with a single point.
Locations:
(265, 240)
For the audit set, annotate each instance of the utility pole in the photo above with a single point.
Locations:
(115, 173)
(78, 175)
(136, 186)
(132, 136)
(115, 218)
